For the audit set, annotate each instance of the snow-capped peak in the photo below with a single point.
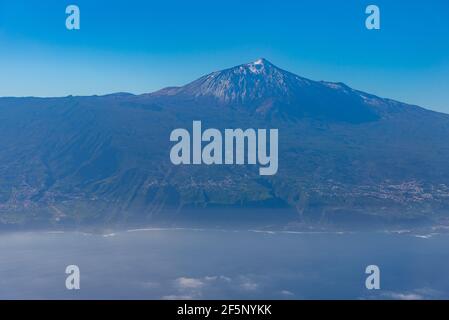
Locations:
(258, 66)
(254, 81)
(263, 87)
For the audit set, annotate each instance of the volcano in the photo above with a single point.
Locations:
(345, 156)
(265, 89)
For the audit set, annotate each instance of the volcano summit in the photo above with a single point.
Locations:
(262, 88)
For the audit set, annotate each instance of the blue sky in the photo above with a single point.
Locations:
(142, 46)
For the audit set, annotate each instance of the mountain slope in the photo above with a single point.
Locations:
(265, 89)
(345, 156)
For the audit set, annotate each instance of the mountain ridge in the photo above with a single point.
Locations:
(174, 90)
(267, 89)
(344, 156)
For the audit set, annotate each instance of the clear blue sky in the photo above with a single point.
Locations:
(142, 46)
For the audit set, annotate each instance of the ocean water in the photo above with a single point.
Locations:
(224, 264)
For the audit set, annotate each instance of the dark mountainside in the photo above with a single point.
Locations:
(345, 157)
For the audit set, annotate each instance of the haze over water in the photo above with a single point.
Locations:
(223, 264)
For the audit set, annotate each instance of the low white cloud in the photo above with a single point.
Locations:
(196, 288)
(404, 296)
(416, 294)
(216, 278)
(188, 288)
(189, 283)
(287, 293)
(249, 285)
